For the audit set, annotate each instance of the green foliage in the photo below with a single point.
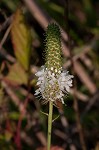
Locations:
(21, 39)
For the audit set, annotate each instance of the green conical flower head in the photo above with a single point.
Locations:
(53, 48)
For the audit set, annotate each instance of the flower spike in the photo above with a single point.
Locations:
(53, 82)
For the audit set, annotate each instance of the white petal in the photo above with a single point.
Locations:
(62, 100)
(37, 92)
(67, 88)
(41, 78)
(69, 82)
(39, 73)
(38, 83)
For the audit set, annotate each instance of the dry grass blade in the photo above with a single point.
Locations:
(85, 78)
(91, 102)
(80, 95)
(13, 96)
(5, 37)
(6, 23)
(7, 56)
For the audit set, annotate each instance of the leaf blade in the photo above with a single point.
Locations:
(21, 39)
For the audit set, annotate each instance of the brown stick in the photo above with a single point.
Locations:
(85, 78)
(79, 126)
(6, 23)
(14, 98)
(5, 36)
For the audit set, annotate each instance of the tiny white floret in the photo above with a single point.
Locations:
(53, 74)
(59, 71)
(52, 68)
(56, 70)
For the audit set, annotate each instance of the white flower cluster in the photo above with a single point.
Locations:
(53, 86)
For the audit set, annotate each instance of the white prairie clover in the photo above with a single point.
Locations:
(53, 82)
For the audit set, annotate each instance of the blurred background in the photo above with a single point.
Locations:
(23, 125)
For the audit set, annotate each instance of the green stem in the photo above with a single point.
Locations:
(49, 124)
